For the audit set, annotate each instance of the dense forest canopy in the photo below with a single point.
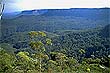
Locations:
(75, 40)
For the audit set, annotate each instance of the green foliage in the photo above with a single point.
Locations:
(35, 33)
(81, 51)
(6, 62)
(36, 45)
(48, 41)
(92, 61)
(62, 58)
(24, 56)
(8, 47)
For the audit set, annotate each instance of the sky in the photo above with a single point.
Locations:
(20, 5)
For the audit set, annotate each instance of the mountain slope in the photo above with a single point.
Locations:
(105, 32)
(52, 20)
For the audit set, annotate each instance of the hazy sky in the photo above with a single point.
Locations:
(19, 5)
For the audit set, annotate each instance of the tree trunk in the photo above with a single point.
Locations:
(1, 10)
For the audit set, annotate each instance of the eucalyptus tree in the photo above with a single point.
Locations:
(38, 41)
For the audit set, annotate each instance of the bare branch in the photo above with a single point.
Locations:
(1, 9)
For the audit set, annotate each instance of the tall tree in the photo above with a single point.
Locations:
(38, 41)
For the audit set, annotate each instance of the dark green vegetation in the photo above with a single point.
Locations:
(73, 43)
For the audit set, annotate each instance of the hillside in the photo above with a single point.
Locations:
(52, 20)
(75, 40)
(69, 40)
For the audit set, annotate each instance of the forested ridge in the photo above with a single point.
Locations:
(54, 43)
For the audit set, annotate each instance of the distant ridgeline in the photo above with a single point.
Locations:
(93, 13)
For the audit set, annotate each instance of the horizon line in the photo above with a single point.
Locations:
(59, 8)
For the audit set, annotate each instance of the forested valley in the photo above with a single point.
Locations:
(56, 41)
